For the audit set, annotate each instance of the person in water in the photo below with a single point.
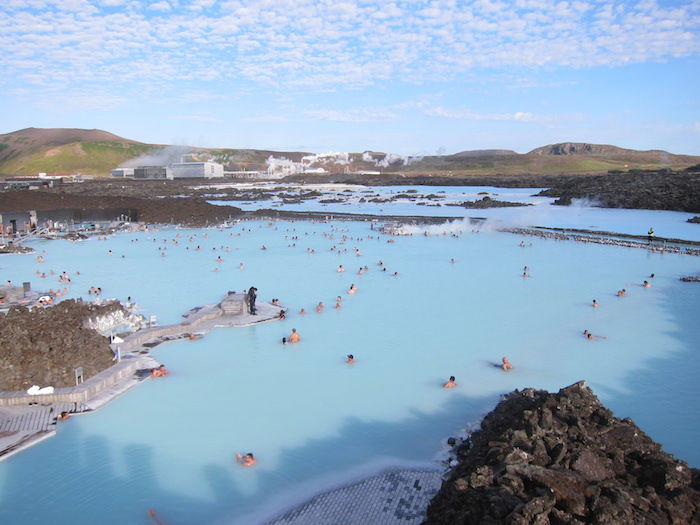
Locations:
(506, 364)
(350, 360)
(595, 304)
(352, 289)
(284, 340)
(646, 284)
(159, 372)
(319, 307)
(247, 461)
(450, 383)
(302, 312)
(588, 335)
(294, 337)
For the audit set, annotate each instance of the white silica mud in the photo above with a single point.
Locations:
(312, 420)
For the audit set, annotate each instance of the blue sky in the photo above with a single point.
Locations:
(409, 77)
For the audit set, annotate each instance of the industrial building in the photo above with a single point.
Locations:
(197, 170)
(123, 172)
(153, 172)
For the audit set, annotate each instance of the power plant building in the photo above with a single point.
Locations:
(197, 170)
(153, 172)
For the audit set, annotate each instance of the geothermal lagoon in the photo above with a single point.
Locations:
(314, 422)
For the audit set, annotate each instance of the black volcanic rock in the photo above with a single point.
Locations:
(43, 346)
(563, 458)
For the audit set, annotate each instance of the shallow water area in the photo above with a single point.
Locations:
(311, 419)
(581, 214)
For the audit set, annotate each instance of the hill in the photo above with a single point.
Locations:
(59, 150)
(97, 152)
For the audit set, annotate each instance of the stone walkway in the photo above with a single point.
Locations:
(391, 498)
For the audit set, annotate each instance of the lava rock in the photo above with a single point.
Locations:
(563, 458)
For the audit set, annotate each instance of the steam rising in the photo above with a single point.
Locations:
(324, 162)
(159, 157)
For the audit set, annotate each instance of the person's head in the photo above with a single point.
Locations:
(504, 359)
(646, 282)
(294, 330)
(589, 335)
(249, 455)
(162, 367)
(350, 356)
(452, 379)
(284, 340)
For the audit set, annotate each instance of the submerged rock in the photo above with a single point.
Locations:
(563, 458)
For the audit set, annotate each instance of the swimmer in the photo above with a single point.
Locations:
(621, 293)
(63, 416)
(352, 289)
(350, 360)
(646, 284)
(319, 307)
(294, 337)
(595, 304)
(302, 312)
(450, 383)
(341, 269)
(506, 364)
(284, 340)
(282, 315)
(591, 337)
(240, 266)
(247, 461)
(651, 276)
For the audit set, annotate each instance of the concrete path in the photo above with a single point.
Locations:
(391, 498)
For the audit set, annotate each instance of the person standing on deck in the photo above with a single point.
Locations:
(650, 234)
(251, 300)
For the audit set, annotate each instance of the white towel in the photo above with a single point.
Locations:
(33, 390)
(46, 390)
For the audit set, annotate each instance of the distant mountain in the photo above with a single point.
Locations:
(97, 152)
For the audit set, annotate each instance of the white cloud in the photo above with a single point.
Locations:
(466, 114)
(315, 45)
(160, 6)
(351, 115)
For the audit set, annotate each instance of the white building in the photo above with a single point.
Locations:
(191, 170)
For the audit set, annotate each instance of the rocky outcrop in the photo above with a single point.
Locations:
(488, 202)
(652, 190)
(563, 458)
(695, 220)
(43, 346)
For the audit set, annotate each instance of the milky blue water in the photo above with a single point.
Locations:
(583, 214)
(312, 420)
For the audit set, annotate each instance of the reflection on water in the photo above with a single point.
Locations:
(310, 418)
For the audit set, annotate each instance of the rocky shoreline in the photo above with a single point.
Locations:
(43, 346)
(563, 458)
